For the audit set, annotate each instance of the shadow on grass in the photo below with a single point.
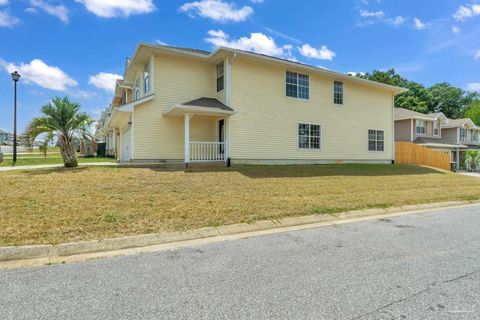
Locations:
(305, 171)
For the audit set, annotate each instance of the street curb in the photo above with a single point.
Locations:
(11, 254)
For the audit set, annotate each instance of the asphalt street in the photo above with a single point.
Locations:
(421, 266)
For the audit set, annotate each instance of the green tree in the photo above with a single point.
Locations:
(473, 112)
(63, 120)
(450, 100)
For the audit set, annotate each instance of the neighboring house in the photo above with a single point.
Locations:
(437, 132)
(105, 134)
(5, 137)
(180, 105)
(465, 133)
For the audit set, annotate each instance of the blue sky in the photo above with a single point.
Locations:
(75, 47)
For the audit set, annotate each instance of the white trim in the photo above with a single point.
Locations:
(368, 140)
(228, 84)
(227, 137)
(320, 138)
(196, 110)
(132, 135)
(343, 94)
(152, 75)
(285, 85)
(187, 137)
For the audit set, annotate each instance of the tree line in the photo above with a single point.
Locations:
(454, 102)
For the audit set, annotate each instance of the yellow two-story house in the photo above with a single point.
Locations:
(178, 105)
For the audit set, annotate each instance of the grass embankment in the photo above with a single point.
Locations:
(62, 205)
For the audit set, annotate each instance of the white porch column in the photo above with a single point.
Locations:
(187, 137)
(458, 159)
(227, 137)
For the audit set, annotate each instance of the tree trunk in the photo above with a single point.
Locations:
(68, 154)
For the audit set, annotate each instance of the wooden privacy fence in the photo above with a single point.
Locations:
(411, 153)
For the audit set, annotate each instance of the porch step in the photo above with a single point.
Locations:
(205, 166)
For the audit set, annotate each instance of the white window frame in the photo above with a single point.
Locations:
(136, 90)
(436, 126)
(298, 74)
(320, 134)
(335, 92)
(220, 75)
(146, 80)
(474, 134)
(463, 137)
(424, 127)
(376, 140)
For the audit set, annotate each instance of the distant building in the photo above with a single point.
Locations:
(5, 137)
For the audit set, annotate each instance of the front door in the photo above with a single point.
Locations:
(221, 135)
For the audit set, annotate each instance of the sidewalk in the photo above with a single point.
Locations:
(470, 174)
(48, 166)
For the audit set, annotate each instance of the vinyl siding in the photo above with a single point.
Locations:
(266, 124)
(176, 81)
(403, 130)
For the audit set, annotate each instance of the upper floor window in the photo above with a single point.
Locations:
(420, 126)
(436, 128)
(220, 76)
(463, 134)
(309, 136)
(146, 80)
(338, 92)
(376, 140)
(136, 92)
(474, 136)
(298, 85)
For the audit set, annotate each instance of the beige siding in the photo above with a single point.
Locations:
(265, 126)
(175, 81)
(403, 130)
(450, 135)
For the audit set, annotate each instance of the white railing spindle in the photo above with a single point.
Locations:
(207, 151)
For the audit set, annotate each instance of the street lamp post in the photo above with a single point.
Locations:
(15, 78)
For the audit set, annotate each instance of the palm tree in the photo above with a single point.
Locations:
(472, 159)
(62, 119)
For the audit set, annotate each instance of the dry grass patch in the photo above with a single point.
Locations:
(62, 205)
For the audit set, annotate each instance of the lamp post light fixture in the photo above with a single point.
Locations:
(15, 78)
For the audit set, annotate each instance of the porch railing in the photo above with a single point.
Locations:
(207, 151)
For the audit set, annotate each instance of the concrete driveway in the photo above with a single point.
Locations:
(422, 266)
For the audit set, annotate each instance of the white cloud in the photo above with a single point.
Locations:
(372, 14)
(456, 29)
(3, 2)
(7, 20)
(474, 86)
(465, 12)
(160, 42)
(419, 24)
(323, 53)
(59, 11)
(256, 42)
(257, 1)
(217, 10)
(477, 55)
(105, 81)
(118, 8)
(397, 21)
(39, 73)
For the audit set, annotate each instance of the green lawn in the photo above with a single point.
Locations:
(53, 157)
(62, 205)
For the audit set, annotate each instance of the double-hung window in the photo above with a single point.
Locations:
(298, 85)
(220, 76)
(463, 134)
(420, 126)
(309, 136)
(338, 92)
(146, 79)
(436, 128)
(137, 89)
(474, 135)
(376, 140)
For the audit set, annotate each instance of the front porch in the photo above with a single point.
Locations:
(206, 130)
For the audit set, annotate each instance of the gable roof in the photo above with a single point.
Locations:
(404, 114)
(213, 56)
(455, 123)
(208, 103)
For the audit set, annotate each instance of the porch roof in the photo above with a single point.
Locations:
(438, 143)
(202, 106)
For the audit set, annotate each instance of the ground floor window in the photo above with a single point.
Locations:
(376, 140)
(309, 136)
